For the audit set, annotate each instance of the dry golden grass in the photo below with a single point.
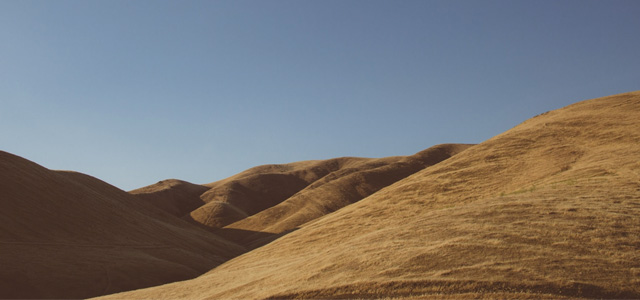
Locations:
(548, 209)
(342, 187)
(262, 187)
(69, 235)
(257, 205)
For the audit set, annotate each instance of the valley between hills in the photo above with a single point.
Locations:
(547, 209)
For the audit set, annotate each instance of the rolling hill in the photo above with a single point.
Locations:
(69, 235)
(336, 190)
(262, 203)
(259, 188)
(173, 196)
(550, 208)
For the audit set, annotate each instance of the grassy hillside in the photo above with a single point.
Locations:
(550, 208)
(260, 204)
(175, 197)
(332, 192)
(69, 235)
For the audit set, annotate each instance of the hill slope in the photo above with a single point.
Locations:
(550, 208)
(69, 235)
(336, 190)
(262, 203)
(259, 188)
(175, 197)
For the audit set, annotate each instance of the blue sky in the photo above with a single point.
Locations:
(133, 92)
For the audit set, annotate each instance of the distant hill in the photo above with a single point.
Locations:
(548, 209)
(344, 186)
(260, 204)
(259, 188)
(175, 197)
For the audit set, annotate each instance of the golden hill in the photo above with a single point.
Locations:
(259, 188)
(69, 235)
(258, 205)
(337, 189)
(550, 208)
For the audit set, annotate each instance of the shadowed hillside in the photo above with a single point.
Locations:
(334, 191)
(259, 188)
(275, 199)
(258, 205)
(69, 235)
(176, 197)
(550, 208)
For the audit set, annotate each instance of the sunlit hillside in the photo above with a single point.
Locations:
(549, 208)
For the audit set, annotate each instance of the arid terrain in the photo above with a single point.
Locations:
(548, 209)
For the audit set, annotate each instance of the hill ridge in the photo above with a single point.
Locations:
(338, 189)
(271, 200)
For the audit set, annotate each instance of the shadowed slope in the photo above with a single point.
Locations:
(550, 208)
(259, 188)
(176, 197)
(69, 235)
(334, 191)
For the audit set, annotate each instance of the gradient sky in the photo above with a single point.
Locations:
(133, 92)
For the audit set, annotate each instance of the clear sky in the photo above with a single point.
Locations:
(133, 92)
